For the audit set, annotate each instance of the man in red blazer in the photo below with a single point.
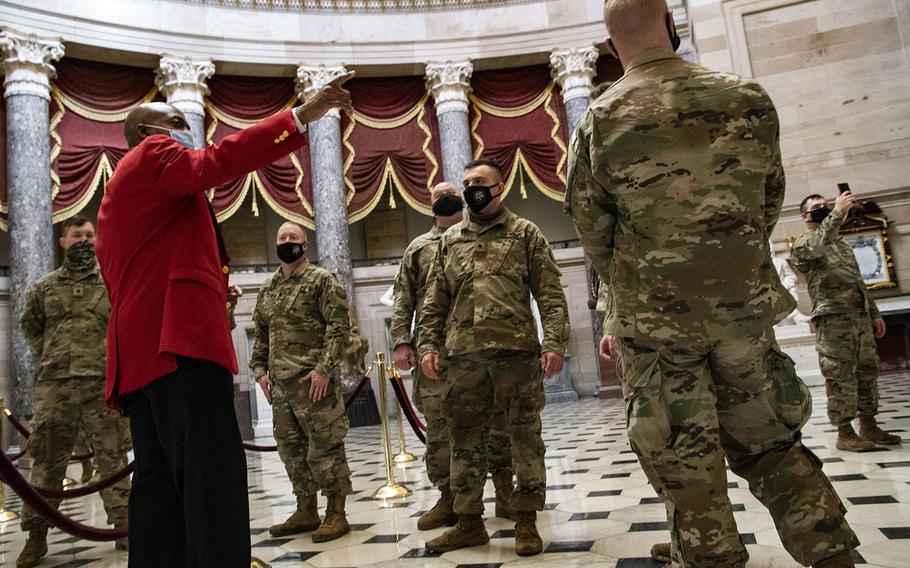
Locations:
(170, 357)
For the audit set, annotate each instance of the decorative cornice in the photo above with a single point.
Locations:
(574, 69)
(358, 6)
(449, 83)
(182, 80)
(311, 78)
(27, 61)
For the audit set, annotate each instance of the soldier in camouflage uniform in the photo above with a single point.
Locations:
(476, 328)
(65, 322)
(410, 289)
(302, 327)
(675, 184)
(845, 319)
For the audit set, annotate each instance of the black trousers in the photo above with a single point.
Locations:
(188, 506)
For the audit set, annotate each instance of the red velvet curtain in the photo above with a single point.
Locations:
(392, 140)
(517, 118)
(609, 69)
(89, 103)
(286, 185)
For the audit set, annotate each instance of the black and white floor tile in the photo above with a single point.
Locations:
(600, 511)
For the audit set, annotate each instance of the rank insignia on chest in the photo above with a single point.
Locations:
(78, 291)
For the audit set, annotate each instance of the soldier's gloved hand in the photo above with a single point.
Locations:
(430, 365)
(609, 347)
(319, 384)
(551, 363)
(880, 328)
(266, 385)
(404, 357)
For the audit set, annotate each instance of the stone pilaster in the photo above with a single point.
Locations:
(449, 83)
(27, 66)
(329, 191)
(573, 69)
(182, 80)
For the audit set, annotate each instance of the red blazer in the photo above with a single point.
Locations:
(161, 253)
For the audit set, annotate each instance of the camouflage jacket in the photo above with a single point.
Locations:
(301, 323)
(675, 183)
(65, 323)
(835, 283)
(411, 284)
(479, 290)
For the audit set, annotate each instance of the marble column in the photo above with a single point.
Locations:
(449, 83)
(182, 81)
(329, 191)
(27, 65)
(573, 69)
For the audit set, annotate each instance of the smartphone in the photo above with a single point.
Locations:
(843, 187)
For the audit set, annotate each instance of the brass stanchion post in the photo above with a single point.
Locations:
(391, 490)
(4, 514)
(404, 456)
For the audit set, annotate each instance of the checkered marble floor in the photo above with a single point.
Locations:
(600, 510)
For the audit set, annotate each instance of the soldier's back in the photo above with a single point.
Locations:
(684, 154)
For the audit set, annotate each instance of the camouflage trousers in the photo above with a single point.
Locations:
(428, 395)
(124, 442)
(60, 406)
(690, 405)
(475, 384)
(849, 363)
(310, 437)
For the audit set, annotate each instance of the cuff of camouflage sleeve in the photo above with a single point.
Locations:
(323, 370)
(426, 350)
(553, 348)
(401, 340)
(258, 372)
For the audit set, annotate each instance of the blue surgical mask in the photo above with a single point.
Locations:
(183, 137)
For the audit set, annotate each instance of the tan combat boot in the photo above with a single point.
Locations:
(442, 514)
(34, 550)
(842, 560)
(527, 539)
(88, 470)
(336, 522)
(469, 531)
(869, 430)
(848, 441)
(304, 519)
(502, 481)
(660, 552)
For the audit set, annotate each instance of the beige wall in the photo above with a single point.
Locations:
(839, 73)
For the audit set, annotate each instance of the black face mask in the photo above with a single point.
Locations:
(674, 37)
(289, 253)
(447, 205)
(478, 196)
(819, 215)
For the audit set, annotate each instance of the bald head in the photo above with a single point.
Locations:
(440, 189)
(636, 26)
(152, 118)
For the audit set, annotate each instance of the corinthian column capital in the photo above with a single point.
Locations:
(27, 62)
(573, 69)
(449, 83)
(311, 78)
(182, 80)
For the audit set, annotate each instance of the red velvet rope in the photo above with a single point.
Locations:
(408, 409)
(26, 434)
(86, 489)
(347, 403)
(30, 496)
